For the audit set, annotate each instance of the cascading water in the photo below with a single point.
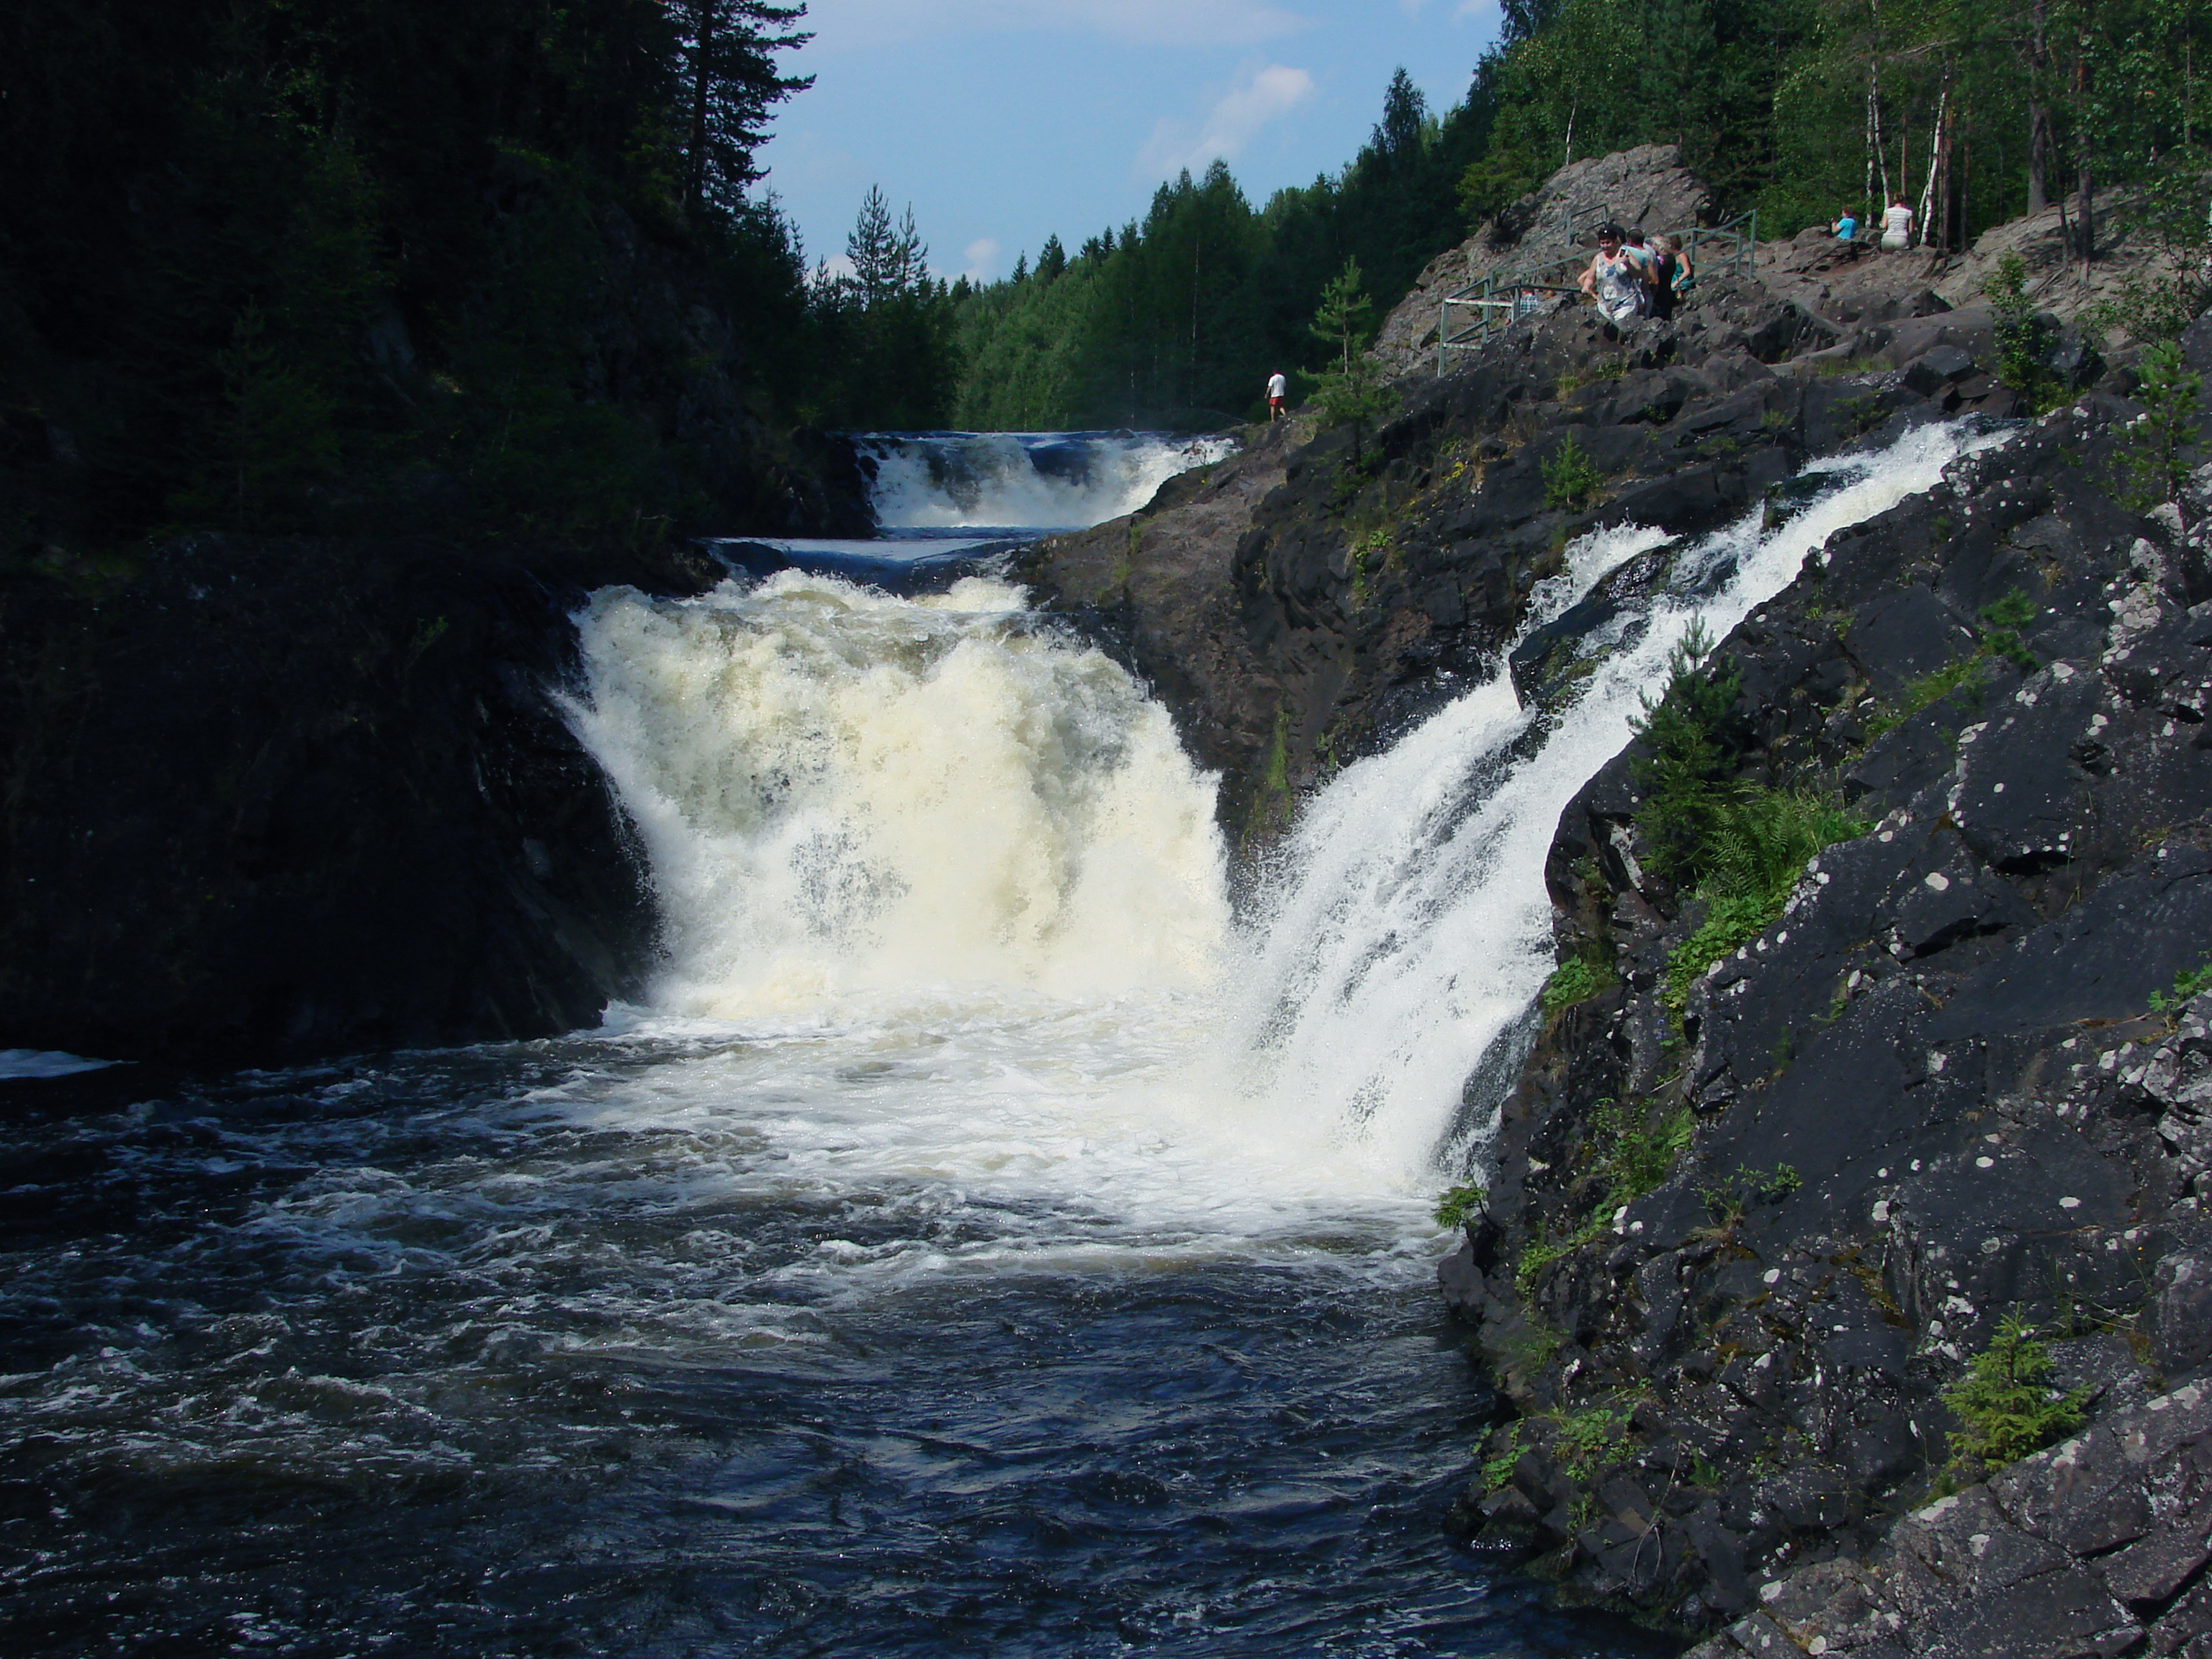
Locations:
(962, 481)
(975, 1241)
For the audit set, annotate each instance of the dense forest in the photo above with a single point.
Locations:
(382, 265)
(1975, 110)
(373, 263)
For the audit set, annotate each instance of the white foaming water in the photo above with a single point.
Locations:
(1036, 480)
(946, 914)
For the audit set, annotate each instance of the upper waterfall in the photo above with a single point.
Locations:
(965, 482)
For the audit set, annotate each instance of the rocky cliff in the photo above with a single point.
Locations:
(268, 800)
(1759, 1225)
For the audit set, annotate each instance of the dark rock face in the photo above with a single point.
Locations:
(1301, 604)
(1960, 1044)
(276, 801)
(2096, 1547)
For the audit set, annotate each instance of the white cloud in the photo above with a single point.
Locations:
(1145, 23)
(1260, 96)
(982, 258)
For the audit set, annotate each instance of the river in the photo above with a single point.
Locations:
(983, 1239)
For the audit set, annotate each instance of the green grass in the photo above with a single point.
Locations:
(1573, 982)
(1752, 850)
(2000, 637)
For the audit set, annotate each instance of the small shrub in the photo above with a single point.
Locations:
(2151, 444)
(1461, 1204)
(1497, 1469)
(2025, 337)
(1574, 982)
(2186, 984)
(1730, 1199)
(1638, 1157)
(1693, 736)
(1588, 1440)
(2005, 1405)
(1756, 846)
(2002, 624)
(1570, 477)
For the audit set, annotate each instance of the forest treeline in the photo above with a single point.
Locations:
(314, 263)
(389, 263)
(1977, 111)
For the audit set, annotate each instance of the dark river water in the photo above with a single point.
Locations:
(989, 1239)
(438, 1356)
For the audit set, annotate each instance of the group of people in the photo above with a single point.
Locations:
(1896, 225)
(1631, 277)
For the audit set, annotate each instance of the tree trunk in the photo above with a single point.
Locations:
(695, 183)
(2085, 220)
(2038, 118)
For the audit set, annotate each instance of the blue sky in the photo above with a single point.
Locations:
(1003, 121)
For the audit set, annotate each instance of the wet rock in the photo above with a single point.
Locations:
(278, 800)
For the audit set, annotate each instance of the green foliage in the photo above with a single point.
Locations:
(2186, 984)
(1590, 1439)
(1352, 390)
(1461, 1204)
(1573, 982)
(2152, 444)
(2025, 336)
(2004, 1402)
(2001, 626)
(1754, 847)
(1691, 736)
(1570, 477)
(2000, 638)
(1639, 1155)
(1731, 1198)
(1498, 1468)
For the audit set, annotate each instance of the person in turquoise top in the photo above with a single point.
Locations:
(1847, 227)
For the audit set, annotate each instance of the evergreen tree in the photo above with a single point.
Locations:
(731, 84)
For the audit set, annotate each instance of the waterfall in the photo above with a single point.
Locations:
(854, 803)
(1407, 928)
(843, 792)
(941, 481)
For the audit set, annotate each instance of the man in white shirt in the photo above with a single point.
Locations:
(1278, 393)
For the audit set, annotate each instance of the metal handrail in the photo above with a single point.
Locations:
(1512, 292)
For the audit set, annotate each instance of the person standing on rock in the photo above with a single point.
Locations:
(1667, 268)
(1279, 394)
(1616, 278)
(1897, 226)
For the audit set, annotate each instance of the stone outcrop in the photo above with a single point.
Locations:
(1950, 1081)
(1647, 187)
(267, 800)
(2096, 1547)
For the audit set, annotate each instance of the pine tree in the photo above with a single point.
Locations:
(731, 82)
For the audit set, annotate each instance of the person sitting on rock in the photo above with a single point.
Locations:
(1616, 279)
(1847, 226)
(1279, 394)
(1897, 226)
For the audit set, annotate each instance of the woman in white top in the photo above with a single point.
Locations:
(1616, 279)
(1897, 225)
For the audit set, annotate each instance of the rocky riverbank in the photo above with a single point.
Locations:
(1770, 1186)
(280, 799)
